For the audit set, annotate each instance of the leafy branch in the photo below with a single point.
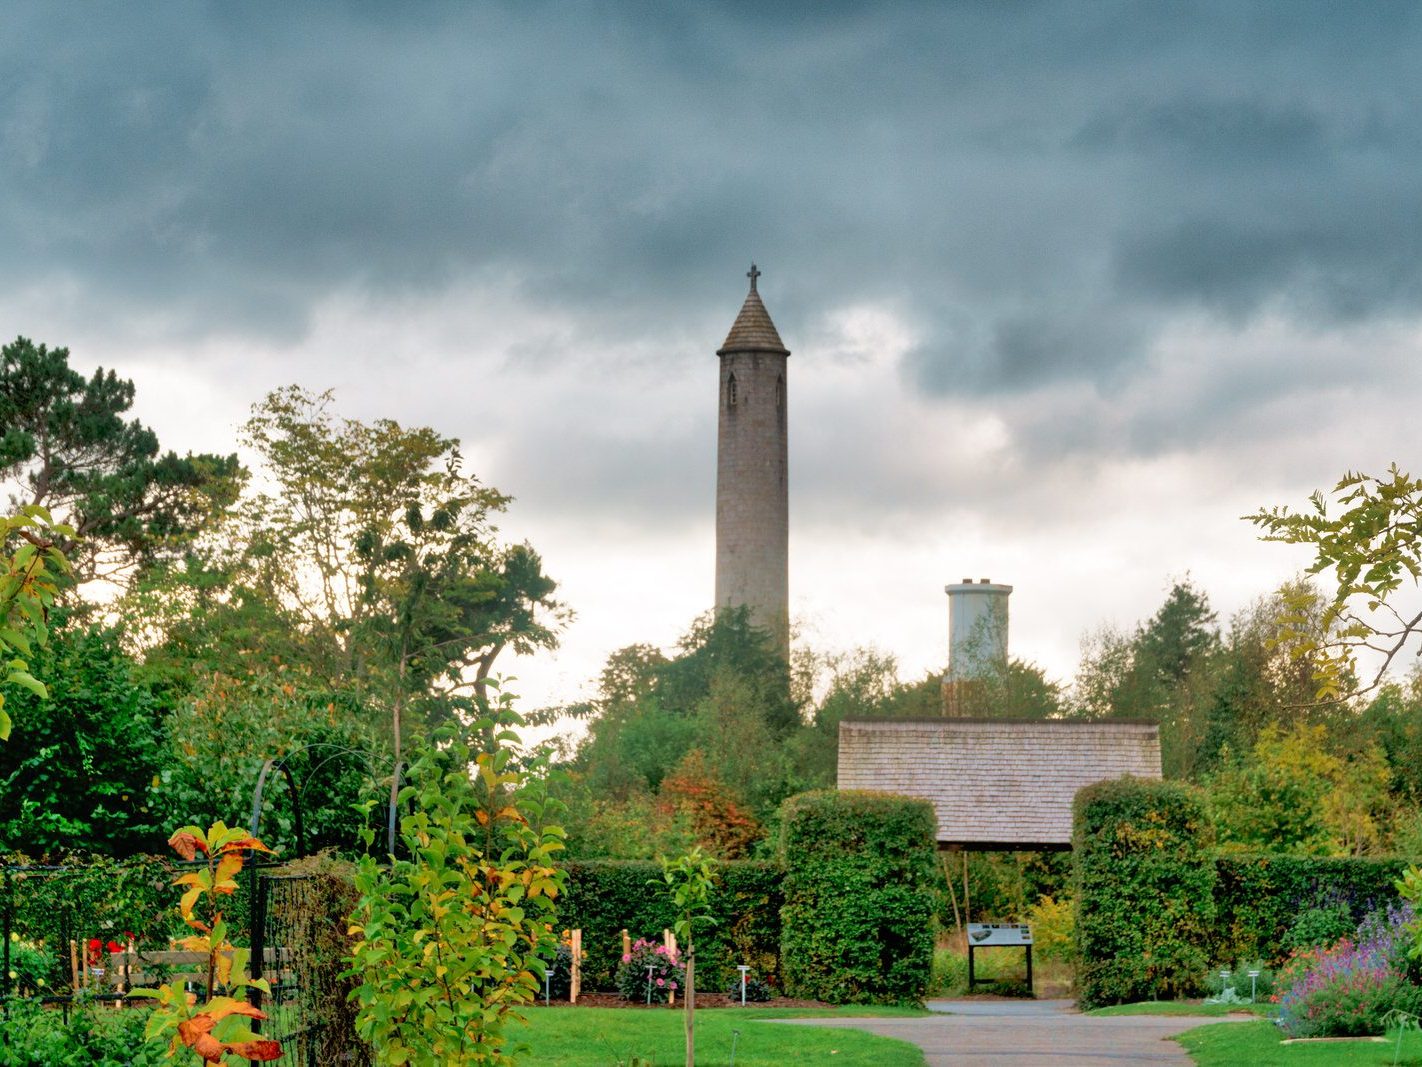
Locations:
(29, 582)
(1371, 547)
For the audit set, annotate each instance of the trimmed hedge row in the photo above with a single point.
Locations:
(1145, 884)
(1258, 898)
(859, 897)
(604, 897)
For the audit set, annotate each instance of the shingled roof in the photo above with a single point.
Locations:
(753, 331)
(995, 783)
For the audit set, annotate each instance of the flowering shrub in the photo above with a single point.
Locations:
(99, 949)
(667, 973)
(1390, 927)
(1348, 989)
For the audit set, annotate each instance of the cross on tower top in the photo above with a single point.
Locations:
(753, 274)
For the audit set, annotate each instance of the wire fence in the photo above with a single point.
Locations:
(86, 936)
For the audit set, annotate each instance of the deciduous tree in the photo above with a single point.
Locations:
(66, 445)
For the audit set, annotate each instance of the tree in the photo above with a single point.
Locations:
(380, 547)
(1372, 547)
(216, 738)
(66, 446)
(453, 935)
(1179, 635)
(729, 640)
(689, 880)
(367, 565)
(1256, 683)
(1165, 671)
(77, 772)
(1292, 795)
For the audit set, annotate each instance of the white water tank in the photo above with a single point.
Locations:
(977, 629)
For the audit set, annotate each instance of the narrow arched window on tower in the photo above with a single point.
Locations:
(731, 391)
(780, 393)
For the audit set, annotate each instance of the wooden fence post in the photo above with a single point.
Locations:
(669, 942)
(74, 966)
(626, 944)
(575, 979)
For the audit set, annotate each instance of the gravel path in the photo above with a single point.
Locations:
(988, 1033)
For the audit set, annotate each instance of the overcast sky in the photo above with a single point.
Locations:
(1069, 287)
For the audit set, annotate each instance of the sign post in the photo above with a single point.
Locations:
(998, 935)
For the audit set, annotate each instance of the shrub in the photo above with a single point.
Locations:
(650, 973)
(1320, 927)
(1144, 890)
(81, 1037)
(605, 897)
(30, 966)
(218, 1027)
(857, 925)
(560, 972)
(1344, 991)
(1258, 899)
(1410, 887)
(758, 990)
(1239, 986)
(1053, 924)
(950, 973)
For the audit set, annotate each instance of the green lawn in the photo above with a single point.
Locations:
(1258, 1045)
(605, 1037)
(1180, 1007)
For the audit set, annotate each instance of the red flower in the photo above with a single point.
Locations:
(114, 946)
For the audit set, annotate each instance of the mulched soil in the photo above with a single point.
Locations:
(703, 1000)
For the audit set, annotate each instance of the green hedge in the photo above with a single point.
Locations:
(1258, 898)
(603, 898)
(1145, 883)
(857, 925)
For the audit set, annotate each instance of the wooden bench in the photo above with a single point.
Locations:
(135, 969)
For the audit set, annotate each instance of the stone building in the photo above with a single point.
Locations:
(752, 492)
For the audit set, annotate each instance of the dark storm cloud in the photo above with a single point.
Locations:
(1042, 188)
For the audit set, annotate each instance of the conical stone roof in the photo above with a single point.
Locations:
(753, 331)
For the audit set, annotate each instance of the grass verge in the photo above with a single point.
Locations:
(1181, 1007)
(1258, 1044)
(605, 1037)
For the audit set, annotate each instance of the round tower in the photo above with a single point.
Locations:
(752, 494)
(977, 643)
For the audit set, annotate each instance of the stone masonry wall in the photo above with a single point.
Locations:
(752, 501)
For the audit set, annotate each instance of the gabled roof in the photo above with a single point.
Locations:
(995, 783)
(753, 331)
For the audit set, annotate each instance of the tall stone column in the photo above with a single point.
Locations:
(752, 490)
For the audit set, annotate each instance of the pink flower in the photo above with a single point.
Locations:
(627, 957)
(673, 985)
(661, 950)
(661, 981)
